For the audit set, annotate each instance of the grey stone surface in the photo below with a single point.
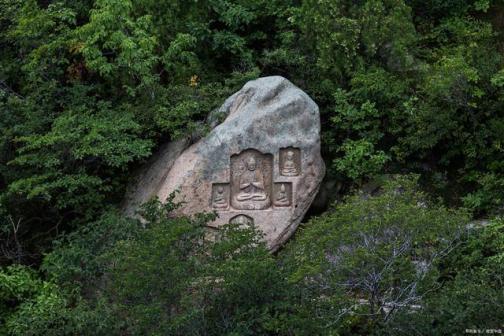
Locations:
(150, 178)
(262, 163)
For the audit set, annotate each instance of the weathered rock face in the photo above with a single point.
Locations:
(262, 165)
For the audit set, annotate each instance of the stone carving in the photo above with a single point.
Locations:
(251, 173)
(242, 220)
(310, 177)
(290, 161)
(251, 183)
(283, 194)
(220, 196)
(265, 155)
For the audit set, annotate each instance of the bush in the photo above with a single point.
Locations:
(470, 288)
(372, 257)
(163, 276)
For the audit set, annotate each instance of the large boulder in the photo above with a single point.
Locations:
(261, 165)
(149, 178)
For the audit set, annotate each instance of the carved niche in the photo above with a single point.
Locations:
(251, 180)
(242, 220)
(290, 161)
(282, 194)
(220, 196)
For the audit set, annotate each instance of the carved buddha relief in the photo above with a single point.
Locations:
(251, 183)
(290, 161)
(220, 196)
(251, 174)
(282, 194)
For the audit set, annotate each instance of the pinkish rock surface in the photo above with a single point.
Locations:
(261, 165)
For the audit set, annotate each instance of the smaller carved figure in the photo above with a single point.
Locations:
(282, 199)
(220, 201)
(289, 167)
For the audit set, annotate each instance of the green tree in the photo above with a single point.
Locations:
(470, 289)
(372, 257)
(88, 89)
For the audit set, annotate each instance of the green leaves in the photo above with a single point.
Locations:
(374, 255)
(107, 137)
(61, 160)
(347, 35)
(234, 15)
(482, 5)
(89, 89)
(115, 41)
(418, 88)
(360, 159)
(180, 58)
(165, 276)
(470, 285)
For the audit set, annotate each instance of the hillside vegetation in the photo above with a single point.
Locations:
(411, 95)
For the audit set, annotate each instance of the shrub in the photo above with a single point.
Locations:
(372, 257)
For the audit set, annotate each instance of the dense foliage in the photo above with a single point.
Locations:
(90, 89)
(379, 258)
